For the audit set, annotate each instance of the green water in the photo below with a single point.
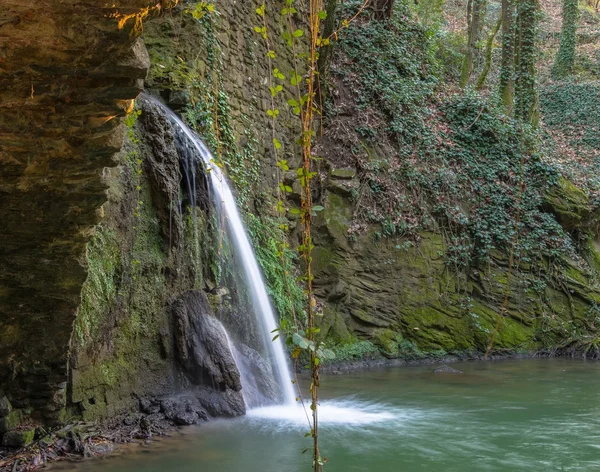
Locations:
(525, 415)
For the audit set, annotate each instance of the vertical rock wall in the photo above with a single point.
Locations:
(68, 71)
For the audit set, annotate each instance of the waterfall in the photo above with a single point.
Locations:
(194, 149)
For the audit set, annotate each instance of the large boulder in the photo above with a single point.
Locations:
(204, 353)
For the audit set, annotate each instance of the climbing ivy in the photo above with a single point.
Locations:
(565, 58)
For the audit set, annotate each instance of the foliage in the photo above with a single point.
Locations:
(571, 113)
(304, 103)
(455, 163)
(355, 351)
(100, 290)
(565, 58)
(526, 105)
(574, 108)
(279, 269)
(397, 72)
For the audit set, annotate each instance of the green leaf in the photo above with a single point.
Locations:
(295, 79)
(318, 208)
(298, 33)
(276, 143)
(299, 341)
(322, 15)
(283, 165)
(288, 37)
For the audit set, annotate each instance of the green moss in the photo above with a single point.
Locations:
(18, 438)
(355, 350)
(11, 421)
(388, 341)
(569, 203)
(338, 216)
(99, 292)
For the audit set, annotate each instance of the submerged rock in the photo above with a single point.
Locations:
(446, 369)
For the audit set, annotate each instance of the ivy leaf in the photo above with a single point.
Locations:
(283, 165)
(288, 37)
(295, 79)
(299, 341)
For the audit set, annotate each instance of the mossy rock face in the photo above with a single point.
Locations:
(11, 421)
(403, 297)
(569, 204)
(18, 438)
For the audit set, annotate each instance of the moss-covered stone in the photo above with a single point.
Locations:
(18, 438)
(569, 204)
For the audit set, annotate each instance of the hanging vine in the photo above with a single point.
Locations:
(304, 101)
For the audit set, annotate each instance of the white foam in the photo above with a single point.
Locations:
(350, 413)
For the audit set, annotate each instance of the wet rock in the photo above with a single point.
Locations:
(446, 369)
(260, 387)
(149, 406)
(221, 404)
(162, 168)
(183, 409)
(186, 418)
(202, 347)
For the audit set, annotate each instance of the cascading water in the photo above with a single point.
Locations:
(221, 195)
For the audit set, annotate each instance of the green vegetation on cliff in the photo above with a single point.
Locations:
(436, 164)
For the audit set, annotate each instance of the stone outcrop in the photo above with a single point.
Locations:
(202, 347)
(403, 296)
(68, 71)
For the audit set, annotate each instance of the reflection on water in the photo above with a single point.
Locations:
(526, 415)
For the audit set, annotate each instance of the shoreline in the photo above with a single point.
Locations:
(355, 365)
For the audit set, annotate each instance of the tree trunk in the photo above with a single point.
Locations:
(475, 16)
(382, 9)
(489, 47)
(565, 58)
(526, 95)
(326, 52)
(507, 68)
(329, 27)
